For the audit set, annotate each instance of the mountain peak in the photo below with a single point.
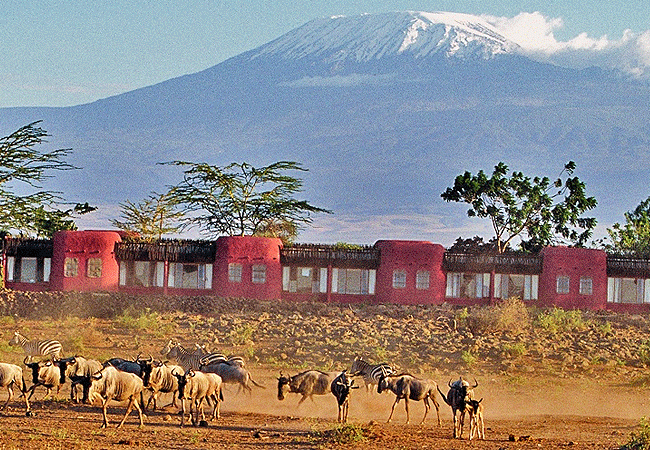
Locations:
(369, 37)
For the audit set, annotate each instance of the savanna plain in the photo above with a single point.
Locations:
(549, 378)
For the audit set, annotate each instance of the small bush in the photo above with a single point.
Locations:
(643, 353)
(559, 320)
(639, 440)
(510, 315)
(468, 358)
(345, 434)
(514, 350)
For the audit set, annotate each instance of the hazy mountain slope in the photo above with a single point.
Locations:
(383, 109)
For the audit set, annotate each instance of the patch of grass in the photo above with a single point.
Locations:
(241, 334)
(468, 358)
(643, 352)
(344, 434)
(639, 440)
(7, 321)
(558, 320)
(514, 350)
(147, 320)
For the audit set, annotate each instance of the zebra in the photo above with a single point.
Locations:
(191, 359)
(48, 347)
(371, 372)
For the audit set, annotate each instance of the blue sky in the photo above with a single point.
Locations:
(67, 52)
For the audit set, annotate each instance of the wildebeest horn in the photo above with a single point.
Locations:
(25, 360)
(475, 383)
(449, 383)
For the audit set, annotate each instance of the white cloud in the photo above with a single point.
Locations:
(534, 32)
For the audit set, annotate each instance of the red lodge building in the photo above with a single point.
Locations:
(390, 271)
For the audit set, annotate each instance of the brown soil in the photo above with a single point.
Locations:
(534, 400)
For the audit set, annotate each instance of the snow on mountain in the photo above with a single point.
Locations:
(372, 37)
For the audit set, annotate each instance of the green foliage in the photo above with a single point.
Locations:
(514, 350)
(633, 237)
(241, 334)
(142, 321)
(643, 353)
(509, 315)
(150, 219)
(468, 358)
(345, 434)
(558, 320)
(240, 199)
(639, 440)
(24, 168)
(537, 209)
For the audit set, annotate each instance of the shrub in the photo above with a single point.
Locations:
(639, 440)
(509, 315)
(558, 320)
(643, 353)
(468, 358)
(345, 434)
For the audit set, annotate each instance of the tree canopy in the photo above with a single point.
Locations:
(151, 218)
(632, 237)
(239, 199)
(26, 207)
(536, 210)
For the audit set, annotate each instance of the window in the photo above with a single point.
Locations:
(304, 279)
(234, 272)
(71, 267)
(259, 274)
(468, 285)
(142, 273)
(524, 287)
(586, 285)
(94, 268)
(190, 276)
(28, 269)
(562, 284)
(628, 290)
(354, 281)
(422, 280)
(399, 279)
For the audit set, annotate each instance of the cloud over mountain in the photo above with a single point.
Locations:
(534, 33)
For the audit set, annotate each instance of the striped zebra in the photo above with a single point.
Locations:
(371, 372)
(48, 347)
(191, 359)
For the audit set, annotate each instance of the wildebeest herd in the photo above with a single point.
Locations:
(196, 377)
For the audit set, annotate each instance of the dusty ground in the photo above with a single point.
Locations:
(531, 401)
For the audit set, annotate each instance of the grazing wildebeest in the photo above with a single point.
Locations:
(340, 387)
(113, 384)
(12, 375)
(307, 384)
(457, 396)
(48, 347)
(408, 387)
(197, 387)
(476, 425)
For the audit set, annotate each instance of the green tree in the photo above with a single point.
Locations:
(536, 210)
(632, 237)
(239, 199)
(25, 207)
(150, 219)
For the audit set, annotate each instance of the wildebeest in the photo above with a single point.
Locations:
(233, 374)
(307, 384)
(48, 347)
(46, 374)
(197, 387)
(158, 377)
(79, 370)
(408, 387)
(457, 396)
(371, 372)
(12, 375)
(113, 384)
(476, 425)
(340, 387)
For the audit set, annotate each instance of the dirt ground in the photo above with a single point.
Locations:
(527, 406)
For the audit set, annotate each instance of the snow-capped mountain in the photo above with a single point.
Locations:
(373, 37)
(384, 110)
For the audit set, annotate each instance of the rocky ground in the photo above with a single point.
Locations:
(549, 378)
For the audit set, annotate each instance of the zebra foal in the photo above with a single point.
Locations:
(371, 373)
(47, 347)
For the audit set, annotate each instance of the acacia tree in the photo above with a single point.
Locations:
(239, 199)
(23, 168)
(536, 210)
(150, 219)
(633, 236)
